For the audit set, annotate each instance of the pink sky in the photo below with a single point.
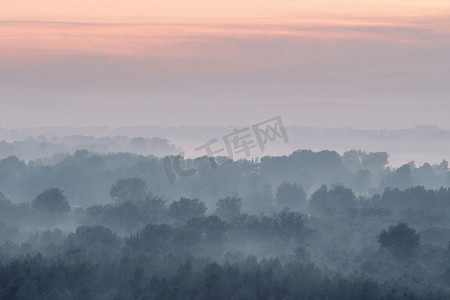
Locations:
(319, 63)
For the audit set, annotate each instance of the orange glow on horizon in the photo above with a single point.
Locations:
(48, 39)
(200, 29)
(149, 10)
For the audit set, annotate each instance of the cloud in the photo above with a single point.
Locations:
(322, 69)
(34, 40)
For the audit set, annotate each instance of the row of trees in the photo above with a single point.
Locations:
(396, 236)
(87, 177)
(156, 263)
(45, 279)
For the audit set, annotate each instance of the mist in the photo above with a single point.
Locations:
(243, 150)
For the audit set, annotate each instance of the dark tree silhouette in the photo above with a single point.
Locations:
(400, 240)
(337, 201)
(131, 189)
(51, 200)
(186, 209)
(97, 234)
(401, 178)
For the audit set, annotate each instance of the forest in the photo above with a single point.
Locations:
(310, 225)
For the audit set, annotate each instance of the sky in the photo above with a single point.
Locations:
(364, 64)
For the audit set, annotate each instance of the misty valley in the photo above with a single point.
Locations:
(310, 225)
(224, 150)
